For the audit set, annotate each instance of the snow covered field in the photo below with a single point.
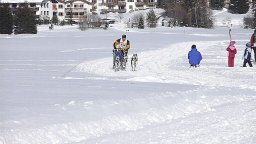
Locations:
(58, 87)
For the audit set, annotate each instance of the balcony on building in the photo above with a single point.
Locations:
(121, 11)
(152, 4)
(139, 3)
(75, 9)
(121, 3)
(110, 4)
(75, 15)
(113, 10)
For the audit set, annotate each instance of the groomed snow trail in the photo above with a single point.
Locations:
(170, 65)
(219, 120)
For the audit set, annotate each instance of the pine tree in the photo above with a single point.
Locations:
(55, 20)
(70, 12)
(151, 19)
(141, 22)
(217, 4)
(25, 21)
(239, 6)
(6, 19)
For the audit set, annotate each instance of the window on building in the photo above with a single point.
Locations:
(54, 6)
(60, 14)
(60, 6)
(44, 12)
(41, 12)
(75, 6)
(47, 12)
(14, 5)
(47, 5)
(130, 0)
(44, 5)
(151, 1)
(68, 6)
(81, 6)
(81, 13)
(130, 7)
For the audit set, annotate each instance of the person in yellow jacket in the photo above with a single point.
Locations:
(123, 44)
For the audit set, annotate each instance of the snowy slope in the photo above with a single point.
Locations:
(223, 18)
(58, 87)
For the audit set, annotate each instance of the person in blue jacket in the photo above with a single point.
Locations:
(194, 57)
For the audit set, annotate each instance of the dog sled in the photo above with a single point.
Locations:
(119, 59)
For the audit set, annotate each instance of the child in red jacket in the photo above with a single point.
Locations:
(231, 53)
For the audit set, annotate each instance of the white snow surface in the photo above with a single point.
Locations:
(58, 87)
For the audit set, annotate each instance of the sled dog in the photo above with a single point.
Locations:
(134, 61)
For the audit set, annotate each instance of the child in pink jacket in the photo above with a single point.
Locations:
(231, 53)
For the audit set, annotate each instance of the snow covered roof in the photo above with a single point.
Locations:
(21, 1)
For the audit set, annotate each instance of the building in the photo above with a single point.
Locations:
(62, 9)
(77, 9)
(14, 5)
(123, 6)
(48, 9)
(65, 10)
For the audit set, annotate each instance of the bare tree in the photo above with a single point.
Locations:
(189, 12)
(90, 21)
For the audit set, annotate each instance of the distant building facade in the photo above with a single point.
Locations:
(124, 6)
(76, 9)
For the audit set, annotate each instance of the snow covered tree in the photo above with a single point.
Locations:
(195, 13)
(136, 17)
(217, 4)
(151, 19)
(141, 22)
(176, 10)
(254, 13)
(239, 6)
(250, 18)
(198, 14)
(25, 21)
(6, 19)
(55, 20)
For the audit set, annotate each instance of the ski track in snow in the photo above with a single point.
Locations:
(168, 66)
